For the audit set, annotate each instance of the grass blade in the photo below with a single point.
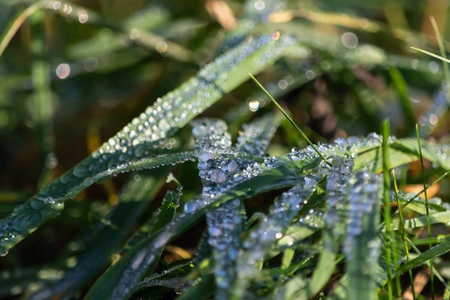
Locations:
(426, 207)
(289, 118)
(387, 203)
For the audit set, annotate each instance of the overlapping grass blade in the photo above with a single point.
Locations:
(146, 132)
(120, 280)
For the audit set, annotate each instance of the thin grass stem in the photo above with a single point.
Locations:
(387, 202)
(426, 207)
(289, 118)
(441, 47)
(431, 54)
(402, 222)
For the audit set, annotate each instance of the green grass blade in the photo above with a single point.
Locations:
(145, 132)
(361, 244)
(441, 47)
(432, 54)
(289, 118)
(402, 228)
(17, 21)
(426, 207)
(120, 279)
(201, 290)
(335, 220)
(436, 251)
(387, 203)
(167, 211)
(418, 222)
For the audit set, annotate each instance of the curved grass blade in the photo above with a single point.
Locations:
(167, 210)
(146, 132)
(15, 24)
(403, 151)
(201, 290)
(442, 248)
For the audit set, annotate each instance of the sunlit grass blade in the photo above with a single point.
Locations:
(121, 278)
(403, 230)
(436, 251)
(15, 24)
(289, 118)
(431, 54)
(387, 203)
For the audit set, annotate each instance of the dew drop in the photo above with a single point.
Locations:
(80, 171)
(37, 203)
(26, 221)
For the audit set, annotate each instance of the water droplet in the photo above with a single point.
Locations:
(37, 203)
(83, 17)
(349, 40)
(253, 105)
(88, 182)
(80, 170)
(27, 221)
(63, 71)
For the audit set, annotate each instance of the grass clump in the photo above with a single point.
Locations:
(221, 199)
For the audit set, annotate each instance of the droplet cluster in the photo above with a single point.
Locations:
(224, 223)
(363, 194)
(336, 191)
(255, 137)
(283, 212)
(219, 173)
(341, 146)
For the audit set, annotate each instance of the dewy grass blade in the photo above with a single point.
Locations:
(289, 118)
(361, 245)
(426, 206)
(146, 132)
(405, 243)
(387, 202)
